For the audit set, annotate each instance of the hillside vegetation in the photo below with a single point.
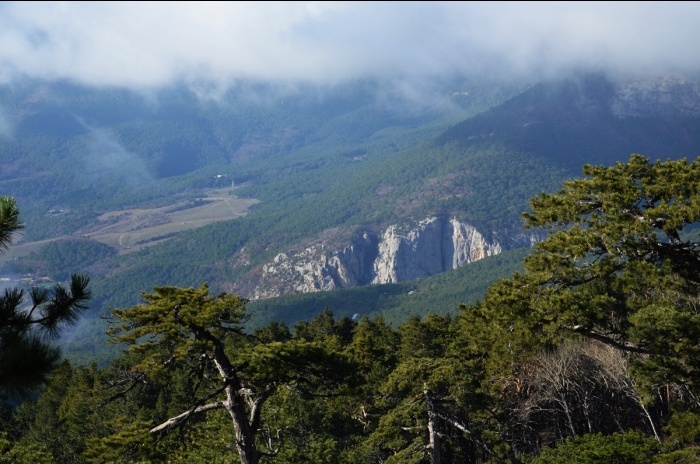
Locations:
(440, 294)
(307, 161)
(586, 352)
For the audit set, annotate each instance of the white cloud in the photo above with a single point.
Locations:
(141, 44)
(6, 126)
(105, 160)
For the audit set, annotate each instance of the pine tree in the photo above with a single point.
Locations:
(619, 264)
(190, 330)
(27, 327)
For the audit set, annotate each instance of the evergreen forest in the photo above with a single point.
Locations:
(294, 167)
(586, 352)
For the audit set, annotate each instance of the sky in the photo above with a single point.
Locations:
(151, 44)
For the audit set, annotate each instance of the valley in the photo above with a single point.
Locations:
(328, 202)
(349, 232)
(130, 230)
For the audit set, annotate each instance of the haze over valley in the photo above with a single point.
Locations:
(270, 184)
(409, 215)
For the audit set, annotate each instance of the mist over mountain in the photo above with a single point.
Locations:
(349, 231)
(271, 190)
(287, 148)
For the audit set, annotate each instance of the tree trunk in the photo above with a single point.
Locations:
(434, 439)
(245, 436)
(235, 405)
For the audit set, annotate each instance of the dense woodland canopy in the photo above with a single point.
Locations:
(322, 166)
(589, 354)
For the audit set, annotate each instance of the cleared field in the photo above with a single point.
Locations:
(132, 229)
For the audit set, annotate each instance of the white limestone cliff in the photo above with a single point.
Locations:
(400, 253)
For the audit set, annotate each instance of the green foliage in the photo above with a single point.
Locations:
(23, 453)
(9, 221)
(619, 448)
(181, 321)
(617, 267)
(614, 266)
(129, 442)
(683, 429)
(194, 343)
(431, 395)
(396, 303)
(60, 257)
(26, 358)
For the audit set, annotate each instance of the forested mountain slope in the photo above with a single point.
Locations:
(319, 183)
(481, 172)
(587, 352)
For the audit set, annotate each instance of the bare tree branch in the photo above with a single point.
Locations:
(174, 421)
(139, 377)
(590, 333)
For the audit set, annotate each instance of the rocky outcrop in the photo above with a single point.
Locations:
(431, 247)
(318, 268)
(399, 253)
(670, 95)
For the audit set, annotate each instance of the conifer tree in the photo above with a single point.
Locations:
(27, 327)
(189, 329)
(620, 265)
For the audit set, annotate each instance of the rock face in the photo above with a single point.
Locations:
(670, 95)
(399, 253)
(431, 247)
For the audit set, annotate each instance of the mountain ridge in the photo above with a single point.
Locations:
(346, 168)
